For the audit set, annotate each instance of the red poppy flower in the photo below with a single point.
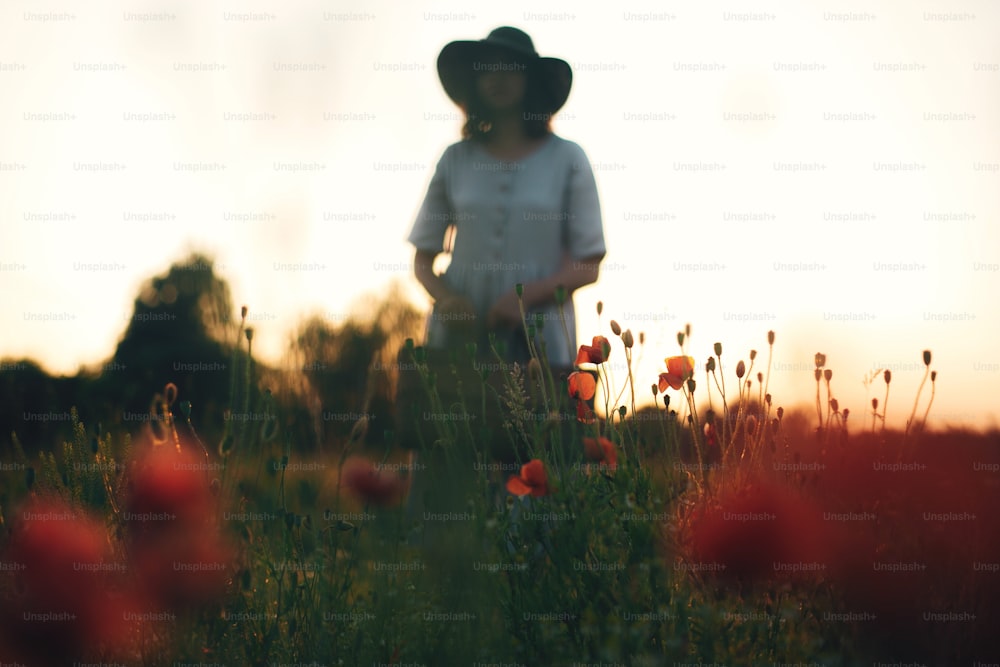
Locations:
(711, 436)
(758, 531)
(372, 485)
(167, 486)
(584, 414)
(180, 567)
(595, 353)
(601, 450)
(64, 569)
(532, 480)
(582, 385)
(679, 369)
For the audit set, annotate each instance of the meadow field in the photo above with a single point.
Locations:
(556, 523)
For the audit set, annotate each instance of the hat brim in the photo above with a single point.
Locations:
(456, 71)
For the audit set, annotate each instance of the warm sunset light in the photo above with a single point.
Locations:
(231, 403)
(823, 172)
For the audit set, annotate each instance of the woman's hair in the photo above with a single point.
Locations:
(537, 118)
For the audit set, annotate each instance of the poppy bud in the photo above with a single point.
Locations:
(718, 349)
(666, 401)
(888, 376)
(710, 365)
(818, 373)
(770, 338)
(627, 338)
(753, 354)
(760, 377)
(642, 338)
(656, 390)
(600, 308)
(621, 411)
(874, 404)
(691, 385)
(243, 312)
(767, 398)
(927, 357)
(616, 328)
(835, 405)
(249, 334)
(741, 368)
(680, 338)
(519, 290)
(820, 360)
(933, 376)
(828, 374)
(781, 413)
(687, 329)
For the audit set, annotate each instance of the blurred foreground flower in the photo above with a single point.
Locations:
(370, 484)
(66, 608)
(533, 480)
(601, 450)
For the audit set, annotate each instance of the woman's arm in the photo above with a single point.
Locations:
(447, 304)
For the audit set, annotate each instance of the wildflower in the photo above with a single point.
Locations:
(627, 338)
(678, 370)
(601, 450)
(596, 353)
(584, 414)
(66, 567)
(532, 480)
(711, 435)
(370, 484)
(582, 385)
(756, 528)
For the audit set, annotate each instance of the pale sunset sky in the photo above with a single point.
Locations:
(829, 170)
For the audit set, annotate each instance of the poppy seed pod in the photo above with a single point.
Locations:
(770, 338)
(741, 369)
(828, 374)
(753, 354)
(616, 328)
(927, 357)
(888, 376)
(627, 338)
(718, 349)
(820, 360)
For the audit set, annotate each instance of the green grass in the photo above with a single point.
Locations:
(597, 571)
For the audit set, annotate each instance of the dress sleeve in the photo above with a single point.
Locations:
(435, 213)
(584, 228)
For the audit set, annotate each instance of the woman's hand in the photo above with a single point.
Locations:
(505, 313)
